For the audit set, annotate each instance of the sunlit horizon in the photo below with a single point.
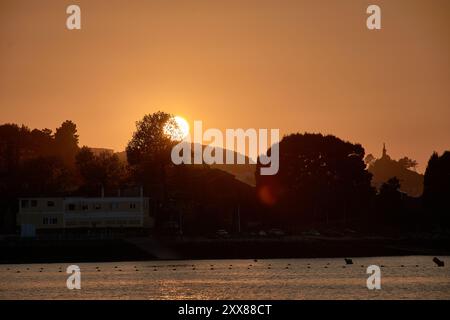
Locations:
(291, 65)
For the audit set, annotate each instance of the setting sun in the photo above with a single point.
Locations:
(177, 128)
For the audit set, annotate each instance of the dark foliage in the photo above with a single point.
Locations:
(437, 188)
(322, 180)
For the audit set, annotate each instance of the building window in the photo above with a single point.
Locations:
(48, 220)
(50, 203)
(85, 207)
(34, 203)
(133, 205)
(24, 204)
(71, 207)
(97, 206)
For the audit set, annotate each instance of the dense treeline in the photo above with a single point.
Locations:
(322, 179)
(40, 163)
(323, 183)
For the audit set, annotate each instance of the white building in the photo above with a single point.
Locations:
(71, 213)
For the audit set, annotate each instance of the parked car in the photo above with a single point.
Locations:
(262, 233)
(277, 232)
(311, 232)
(222, 233)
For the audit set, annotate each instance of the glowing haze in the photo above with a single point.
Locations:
(294, 65)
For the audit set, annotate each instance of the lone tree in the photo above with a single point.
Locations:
(321, 179)
(148, 152)
(66, 142)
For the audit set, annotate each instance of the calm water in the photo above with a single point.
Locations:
(402, 278)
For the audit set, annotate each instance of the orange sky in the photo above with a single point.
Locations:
(295, 65)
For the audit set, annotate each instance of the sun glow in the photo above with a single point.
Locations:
(177, 128)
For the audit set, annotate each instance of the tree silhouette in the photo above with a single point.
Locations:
(45, 176)
(32, 165)
(391, 186)
(408, 163)
(389, 203)
(148, 152)
(99, 171)
(437, 188)
(321, 179)
(41, 142)
(12, 150)
(66, 142)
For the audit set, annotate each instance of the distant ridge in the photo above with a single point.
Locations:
(242, 172)
(384, 168)
(98, 151)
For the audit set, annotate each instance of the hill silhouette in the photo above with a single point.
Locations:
(242, 172)
(385, 168)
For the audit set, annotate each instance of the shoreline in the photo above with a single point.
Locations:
(51, 251)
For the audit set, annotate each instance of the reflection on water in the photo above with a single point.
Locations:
(402, 278)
